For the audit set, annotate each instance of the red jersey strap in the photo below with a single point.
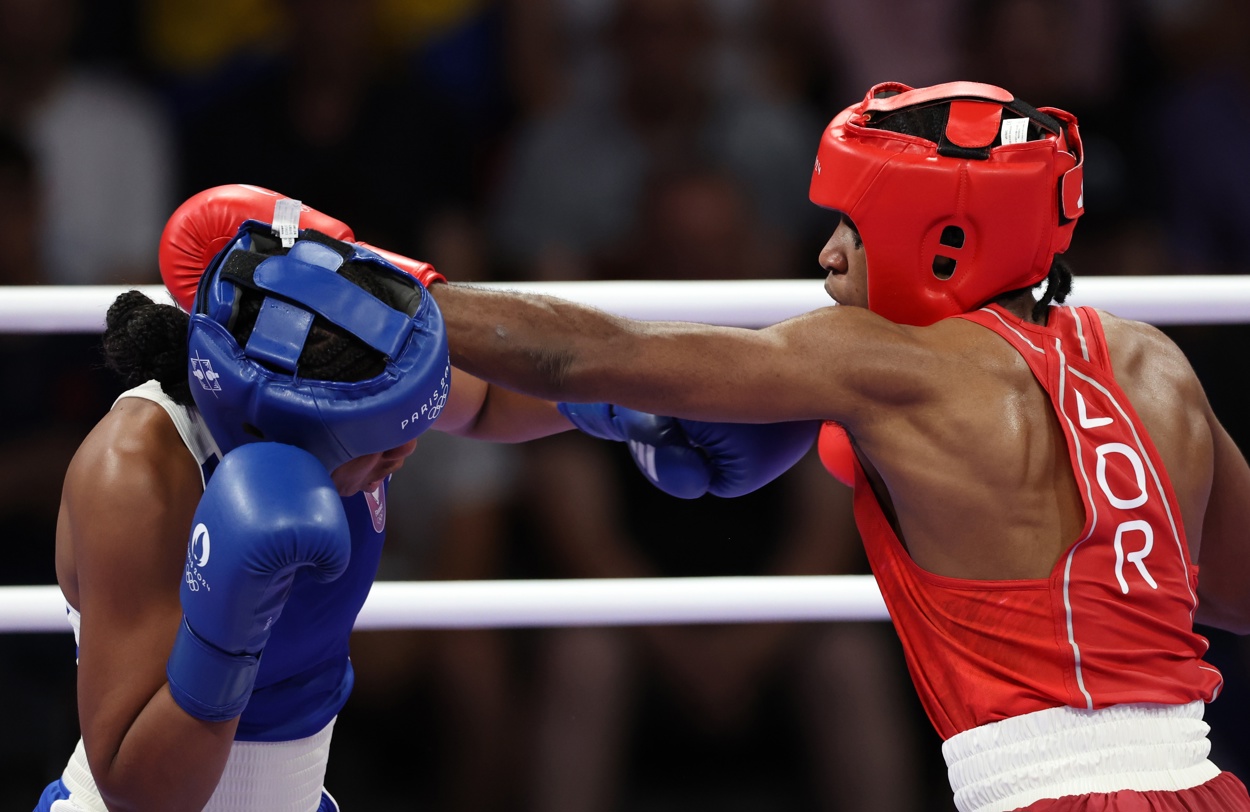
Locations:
(1079, 328)
(1084, 329)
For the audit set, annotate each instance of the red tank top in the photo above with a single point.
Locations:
(1114, 621)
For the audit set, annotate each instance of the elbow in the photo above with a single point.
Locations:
(137, 790)
(117, 796)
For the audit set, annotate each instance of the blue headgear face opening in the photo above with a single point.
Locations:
(256, 392)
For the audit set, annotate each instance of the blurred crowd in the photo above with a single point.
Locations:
(577, 140)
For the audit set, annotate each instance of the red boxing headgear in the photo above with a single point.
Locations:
(952, 224)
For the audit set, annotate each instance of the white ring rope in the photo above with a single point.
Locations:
(565, 602)
(1160, 300)
(746, 303)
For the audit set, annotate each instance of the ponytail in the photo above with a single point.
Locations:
(1058, 286)
(144, 340)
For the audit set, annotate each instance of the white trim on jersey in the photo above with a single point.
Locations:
(1093, 523)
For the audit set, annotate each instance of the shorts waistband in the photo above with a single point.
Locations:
(1057, 752)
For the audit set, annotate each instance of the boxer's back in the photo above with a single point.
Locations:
(974, 472)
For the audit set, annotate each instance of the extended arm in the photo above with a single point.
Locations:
(819, 365)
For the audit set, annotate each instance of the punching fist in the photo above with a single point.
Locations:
(207, 221)
(423, 271)
(269, 512)
(688, 458)
(202, 226)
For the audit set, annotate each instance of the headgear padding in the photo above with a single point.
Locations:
(949, 225)
(256, 391)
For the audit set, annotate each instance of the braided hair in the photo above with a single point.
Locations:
(144, 340)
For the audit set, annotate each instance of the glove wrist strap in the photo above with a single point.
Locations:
(205, 681)
(594, 419)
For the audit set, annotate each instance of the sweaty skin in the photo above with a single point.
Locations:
(958, 438)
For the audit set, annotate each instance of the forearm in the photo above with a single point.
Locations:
(564, 351)
(504, 416)
(147, 766)
(528, 342)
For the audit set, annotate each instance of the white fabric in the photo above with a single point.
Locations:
(186, 419)
(259, 777)
(75, 622)
(1065, 751)
(274, 776)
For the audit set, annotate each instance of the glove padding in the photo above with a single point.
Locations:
(269, 511)
(208, 220)
(688, 458)
(836, 452)
(423, 272)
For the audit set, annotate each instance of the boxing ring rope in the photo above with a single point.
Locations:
(606, 602)
(1160, 300)
(565, 602)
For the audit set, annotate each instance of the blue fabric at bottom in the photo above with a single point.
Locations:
(56, 791)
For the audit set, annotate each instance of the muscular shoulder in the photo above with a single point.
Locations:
(878, 363)
(1147, 360)
(135, 442)
(131, 479)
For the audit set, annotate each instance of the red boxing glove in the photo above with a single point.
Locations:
(423, 271)
(202, 226)
(834, 447)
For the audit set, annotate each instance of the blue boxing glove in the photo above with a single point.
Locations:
(269, 512)
(688, 458)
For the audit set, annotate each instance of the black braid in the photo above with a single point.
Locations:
(1058, 286)
(145, 340)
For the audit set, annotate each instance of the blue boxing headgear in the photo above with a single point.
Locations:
(256, 392)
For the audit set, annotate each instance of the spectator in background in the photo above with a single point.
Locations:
(702, 717)
(1079, 54)
(330, 116)
(1205, 107)
(102, 145)
(869, 41)
(572, 185)
(694, 222)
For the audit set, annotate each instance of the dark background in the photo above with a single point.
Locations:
(577, 139)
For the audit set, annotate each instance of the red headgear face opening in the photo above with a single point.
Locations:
(950, 224)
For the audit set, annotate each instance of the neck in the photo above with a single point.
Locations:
(1021, 306)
